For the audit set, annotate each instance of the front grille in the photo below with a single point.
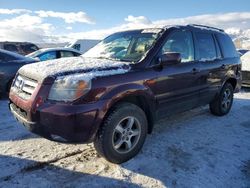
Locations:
(24, 87)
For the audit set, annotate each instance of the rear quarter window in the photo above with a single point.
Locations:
(227, 46)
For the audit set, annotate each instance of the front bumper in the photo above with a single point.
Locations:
(61, 122)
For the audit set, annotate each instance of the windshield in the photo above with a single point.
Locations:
(126, 46)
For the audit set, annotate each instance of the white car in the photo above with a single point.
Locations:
(53, 53)
(245, 59)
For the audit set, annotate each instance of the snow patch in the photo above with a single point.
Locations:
(39, 71)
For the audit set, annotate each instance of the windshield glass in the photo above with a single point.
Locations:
(126, 46)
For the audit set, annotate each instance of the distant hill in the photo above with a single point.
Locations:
(240, 37)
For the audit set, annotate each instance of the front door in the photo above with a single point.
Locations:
(178, 85)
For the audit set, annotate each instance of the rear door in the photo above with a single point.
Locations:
(178, 85)
(211, 65)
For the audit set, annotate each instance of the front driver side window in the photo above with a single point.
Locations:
(181, 42)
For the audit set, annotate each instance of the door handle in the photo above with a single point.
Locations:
(195, 70)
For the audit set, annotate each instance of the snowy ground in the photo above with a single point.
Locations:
(192, 149)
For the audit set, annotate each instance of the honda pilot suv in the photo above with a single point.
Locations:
(114, 93)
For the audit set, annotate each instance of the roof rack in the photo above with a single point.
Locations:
(208, 27)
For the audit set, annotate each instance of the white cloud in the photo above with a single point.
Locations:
(225, 20)
(69, 28)
(137, 20)
(14, 11)
(25, 28)
(34, 28)
(233, 21)
(70, 17)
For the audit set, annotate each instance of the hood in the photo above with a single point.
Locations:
(73, 65)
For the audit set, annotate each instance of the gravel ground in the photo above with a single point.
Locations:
(192, 149)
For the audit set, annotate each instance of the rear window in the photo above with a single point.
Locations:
(206, 47)
(10, 47)
(29, 48)
(227, 46)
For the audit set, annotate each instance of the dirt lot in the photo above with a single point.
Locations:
(192, 149)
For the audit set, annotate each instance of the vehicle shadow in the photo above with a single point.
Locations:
(27, 173)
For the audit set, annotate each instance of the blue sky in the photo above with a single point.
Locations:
(110, 14)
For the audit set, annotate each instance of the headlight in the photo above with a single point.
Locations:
(69, 88)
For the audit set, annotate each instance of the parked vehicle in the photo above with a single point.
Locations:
(246, 69)
(114, 93)
(83, 45)
(22, 48)
(9, 64)
(53, 53)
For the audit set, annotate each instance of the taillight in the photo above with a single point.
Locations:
(38, 103)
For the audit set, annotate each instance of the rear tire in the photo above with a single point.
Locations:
(222, 104)
(122, 134)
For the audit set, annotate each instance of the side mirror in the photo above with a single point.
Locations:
(169, 58)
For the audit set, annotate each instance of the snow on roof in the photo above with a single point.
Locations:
(245, 59)
(39, 71)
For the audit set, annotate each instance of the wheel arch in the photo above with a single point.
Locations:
(142, 102)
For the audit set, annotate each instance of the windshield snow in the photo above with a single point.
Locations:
(127, 46)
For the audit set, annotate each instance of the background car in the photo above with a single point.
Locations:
(53, 53)
(245, 59)
(22, 48)
(9, 64)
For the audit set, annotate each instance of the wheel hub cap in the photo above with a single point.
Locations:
(126, 134)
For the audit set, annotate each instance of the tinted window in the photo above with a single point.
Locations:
(11, 47)
(206, 46)
(77, 47)
(181, 42)
(29, 48)
(66, 54)
(227, 46)
(48, 56)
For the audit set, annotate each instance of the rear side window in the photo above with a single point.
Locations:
(10, 47)
(66, 54)
(206, 47)
(227, 46)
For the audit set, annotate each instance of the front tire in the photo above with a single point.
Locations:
(122, 134)
(222, 104)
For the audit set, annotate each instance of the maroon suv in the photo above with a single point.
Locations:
(113, 94)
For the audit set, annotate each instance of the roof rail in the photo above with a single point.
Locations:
(208, 27)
